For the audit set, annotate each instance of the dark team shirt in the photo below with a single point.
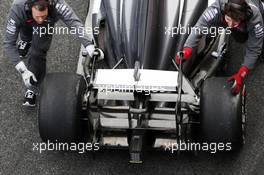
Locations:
(213, 17)
(18, 18)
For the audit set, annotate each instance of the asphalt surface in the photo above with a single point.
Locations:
(19, 128)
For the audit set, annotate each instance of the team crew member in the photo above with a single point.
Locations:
(25, 17)
(243, 17)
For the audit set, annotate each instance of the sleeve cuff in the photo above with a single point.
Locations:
(21, 67)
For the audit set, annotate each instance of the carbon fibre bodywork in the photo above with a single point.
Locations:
(142, 30)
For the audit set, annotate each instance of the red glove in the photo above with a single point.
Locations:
(238, 78)
(187, 51)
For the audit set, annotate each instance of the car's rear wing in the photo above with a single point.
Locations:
(162, 86)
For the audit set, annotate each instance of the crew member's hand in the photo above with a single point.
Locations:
(187, 51)
(27, 76)
(238, 79)
(92, 51)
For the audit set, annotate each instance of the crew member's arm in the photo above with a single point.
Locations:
(254, 43)
(209, 18)
(11, 34)
(253, 50)
(13, 25)
(68, 16)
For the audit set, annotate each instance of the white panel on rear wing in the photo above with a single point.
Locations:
(150, 80)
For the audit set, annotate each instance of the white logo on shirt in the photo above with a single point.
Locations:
(11, 26)
(258, 31)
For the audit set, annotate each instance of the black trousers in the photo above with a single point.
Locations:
(40, 45)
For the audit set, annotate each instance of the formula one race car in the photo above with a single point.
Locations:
(137, 97)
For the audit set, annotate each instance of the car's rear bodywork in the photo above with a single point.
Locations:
(146, 30)
(142, 98)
